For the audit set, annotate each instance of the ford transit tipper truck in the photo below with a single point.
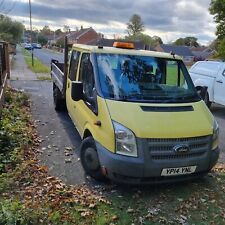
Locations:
(138, 113)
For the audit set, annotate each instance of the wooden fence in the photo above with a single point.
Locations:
(4, 69)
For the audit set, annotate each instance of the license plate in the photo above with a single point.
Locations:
(178, 171)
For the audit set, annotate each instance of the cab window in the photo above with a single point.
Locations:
(74, 61)
(87, 78)
(144, 79)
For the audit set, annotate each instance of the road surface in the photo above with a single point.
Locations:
(46, 55)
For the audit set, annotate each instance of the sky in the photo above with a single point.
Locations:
(169, 19)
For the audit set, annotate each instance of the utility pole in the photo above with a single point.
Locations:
(31, 31)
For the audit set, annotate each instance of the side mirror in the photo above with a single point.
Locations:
(77, 91)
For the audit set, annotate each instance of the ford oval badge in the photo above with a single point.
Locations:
(181, 148)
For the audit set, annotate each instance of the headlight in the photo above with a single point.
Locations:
(125, 140)
(215, 135)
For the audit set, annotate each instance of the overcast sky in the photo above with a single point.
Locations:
(168, 19)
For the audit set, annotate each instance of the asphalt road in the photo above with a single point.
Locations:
(46, 56)
(59, 135)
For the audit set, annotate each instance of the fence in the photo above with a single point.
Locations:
(4, 69)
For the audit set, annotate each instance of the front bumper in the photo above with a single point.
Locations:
(144, 169)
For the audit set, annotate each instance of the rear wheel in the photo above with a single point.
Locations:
(90, 160)
(59, 102)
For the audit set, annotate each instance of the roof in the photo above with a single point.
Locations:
(178, 50)
(113, 50)
(203, 52)
(109, 42)
(79, 33)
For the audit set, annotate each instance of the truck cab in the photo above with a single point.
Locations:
(138, 113)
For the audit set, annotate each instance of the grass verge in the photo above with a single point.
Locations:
(29, 195)
(38, 67)
(48, 78)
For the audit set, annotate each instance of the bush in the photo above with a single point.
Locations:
(12, 128)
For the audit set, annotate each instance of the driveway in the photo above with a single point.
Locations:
(219, 113)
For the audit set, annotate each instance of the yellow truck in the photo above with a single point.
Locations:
(138, 113)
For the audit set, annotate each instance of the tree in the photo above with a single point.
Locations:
(221, 49)
(58, 32)
(42, 39)
(60, 43)
(146, 39)
(217, 8)
(10, 30)
(135, 25)
(157, 40)
(66, 28)
(187, 41)
(46, 31)
(214, 44)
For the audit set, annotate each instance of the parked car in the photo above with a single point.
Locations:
(28, 46)
(36, 45)
(137, 112)
(210, 74)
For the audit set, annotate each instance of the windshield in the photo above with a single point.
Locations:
(144, 78)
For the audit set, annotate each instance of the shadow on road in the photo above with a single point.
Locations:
(218, 111)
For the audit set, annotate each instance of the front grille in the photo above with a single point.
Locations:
(163, 148)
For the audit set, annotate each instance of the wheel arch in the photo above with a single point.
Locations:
(199, 83)
(86, 134)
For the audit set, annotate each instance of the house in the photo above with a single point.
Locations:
(109, 43)
(182, 51)
(202, 53)
(83, 36)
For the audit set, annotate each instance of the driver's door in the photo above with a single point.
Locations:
(86, 109)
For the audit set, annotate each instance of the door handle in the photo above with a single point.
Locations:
(219, 81)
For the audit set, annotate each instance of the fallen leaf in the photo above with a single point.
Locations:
(68, 160)
(130, 210)
(114, 218)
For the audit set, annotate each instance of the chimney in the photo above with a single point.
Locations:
(81, 27)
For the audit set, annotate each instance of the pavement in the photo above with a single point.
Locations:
(20, 71)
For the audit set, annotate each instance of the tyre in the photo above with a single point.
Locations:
(89, 159)
(59, 102)
(206, 100)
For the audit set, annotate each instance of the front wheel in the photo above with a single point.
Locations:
(90, 160)
(206, 100)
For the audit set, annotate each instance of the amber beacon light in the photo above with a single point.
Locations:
(126, 45)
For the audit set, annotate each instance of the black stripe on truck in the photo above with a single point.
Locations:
(167, 108)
